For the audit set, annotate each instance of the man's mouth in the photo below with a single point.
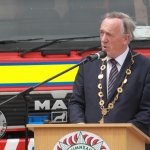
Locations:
(104, 47)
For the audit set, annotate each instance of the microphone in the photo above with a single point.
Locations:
(100, 54)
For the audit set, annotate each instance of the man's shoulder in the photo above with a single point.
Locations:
(139, 56)
(142, 58)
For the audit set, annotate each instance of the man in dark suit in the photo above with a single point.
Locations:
(115, 89)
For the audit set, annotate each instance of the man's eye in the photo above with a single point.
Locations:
(109, 34)
(101, 33)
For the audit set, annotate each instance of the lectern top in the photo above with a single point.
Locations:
(128, 126)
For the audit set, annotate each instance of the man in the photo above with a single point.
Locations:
(115, 89)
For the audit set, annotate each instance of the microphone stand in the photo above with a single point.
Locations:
(27, 98)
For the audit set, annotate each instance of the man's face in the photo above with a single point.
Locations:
(113, 41)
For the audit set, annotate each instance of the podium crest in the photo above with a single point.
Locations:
(81, 140)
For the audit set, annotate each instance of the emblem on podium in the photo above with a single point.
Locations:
(81, 140)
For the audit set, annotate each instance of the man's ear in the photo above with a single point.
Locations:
(126, 39)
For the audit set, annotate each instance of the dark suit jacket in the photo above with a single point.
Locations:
(133, 104)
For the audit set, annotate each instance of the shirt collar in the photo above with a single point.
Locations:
(120, 59)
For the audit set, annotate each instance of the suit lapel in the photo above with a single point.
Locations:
(104, 83)
(120, 76)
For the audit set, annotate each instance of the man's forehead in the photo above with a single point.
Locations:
(112, 20)
(111, 23)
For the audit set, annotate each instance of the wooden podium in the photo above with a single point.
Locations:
(116, 136)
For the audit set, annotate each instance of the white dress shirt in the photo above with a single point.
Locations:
(120, 59)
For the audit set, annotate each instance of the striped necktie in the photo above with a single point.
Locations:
(112, 75)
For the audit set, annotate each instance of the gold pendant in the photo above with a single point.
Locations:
(100, 94)
(110, 105)
(103, 67)
(100, 86)
(100, 76)
(116, 97)
(104, 111)
(101, 103)
(125, 81)
(102, 120)
(103, 59)
(120, 90)
(128, 71)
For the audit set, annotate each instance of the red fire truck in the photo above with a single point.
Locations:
(40, 39)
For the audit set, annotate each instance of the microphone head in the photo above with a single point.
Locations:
(103, 54)
(100, 54)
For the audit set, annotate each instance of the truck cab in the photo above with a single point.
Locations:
(41, 39)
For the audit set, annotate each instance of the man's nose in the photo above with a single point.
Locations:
(104, 38)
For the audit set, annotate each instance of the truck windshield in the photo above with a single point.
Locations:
(53, 19)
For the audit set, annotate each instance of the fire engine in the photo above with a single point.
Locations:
(41, 39)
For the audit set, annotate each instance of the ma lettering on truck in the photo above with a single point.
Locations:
(39, 40)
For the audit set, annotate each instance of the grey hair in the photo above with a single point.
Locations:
(128, 24)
